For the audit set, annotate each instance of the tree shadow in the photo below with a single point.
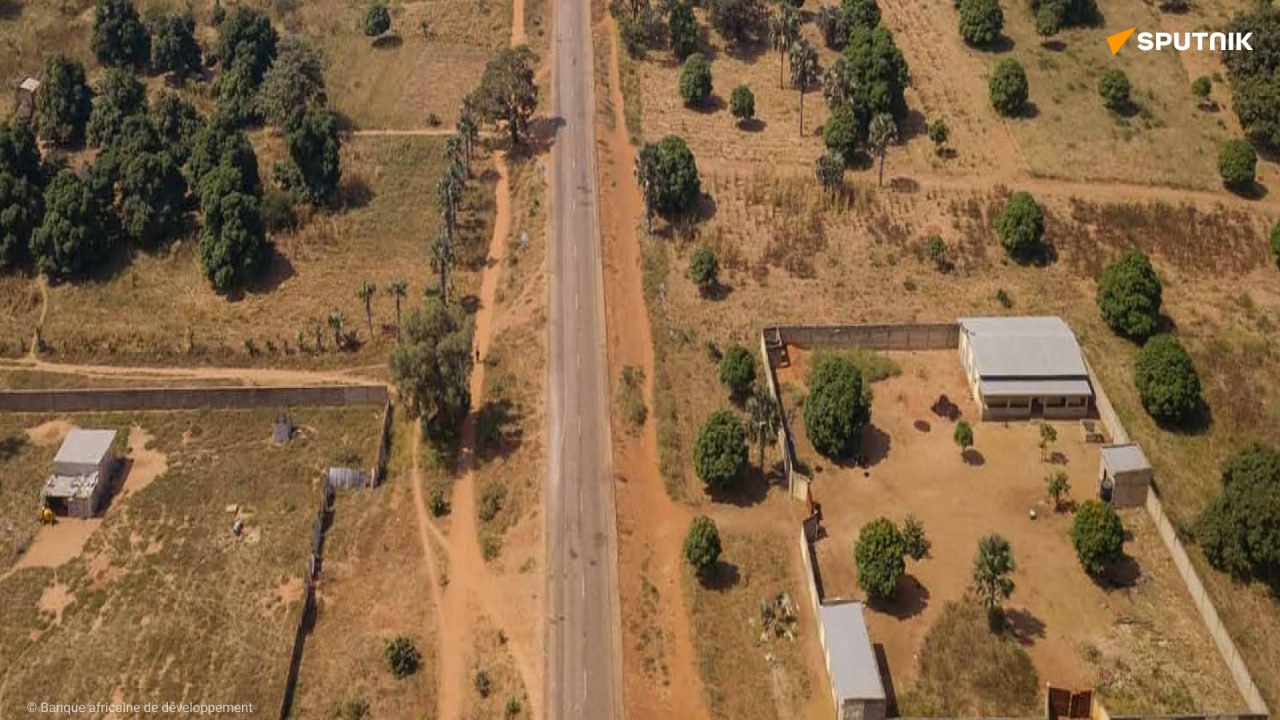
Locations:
(1040, 255)
(943, 407)
(543, 131)
(1253, 191)
(713, 104)
(278, 269)
(388, 42)
(1030, 111)
(1057, 457)
(10, 9)
(886, 680)
(470, 304)
(498, 430)
(922, 426)
(973, 457)
(721, 576)
(751, 488)
(1024, 625)
(1198, 423)
(707, 208)
(1053, 45)
(904, 185)
(11, 446)
(747, 50)
(874, 446)
(1000, 46)
(717, 292)
(910, 598)
(752, 125)
(353, 193)
(1123, 573)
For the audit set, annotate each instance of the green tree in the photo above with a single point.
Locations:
(153, 195)
(670, 180)
(1129, 296)
(805, 71)
(72, 237)
(1048, 436)
(939, 133)
(737, 370)
(233, 241)
(914, 542)
(720, 450)
(1237, 164)
(119, 38)
(878, 555)
(507, 91)
(431, 367)
(784, 30)
(1240, 529)
(829, 169)
(880, 133)
(1098, 536)
(120, 95)
(293, 85)
(316, 149)
(1114, 88)
(402, 657)
(695, 80)
(683, 29)
(174, 49)
(398, 289)
(1048, 22)
(936, 250)
(702, 543)
(21, 192)
(1008, 88)
(176, 123)
(377, 19)
(1020, 225)
(1201, 87)
(1059, 485)
(963, 436)
(1255, 75)
(832, 25)
(245, 49)
(737, 20)
(860, 13)
(1166, 379)
(870, 78)
(704, 270)
(365, 293)
(840, 132)
(981, 21)
(218, 144)
(742, 104)
(64, 101)
(765, 419)
(992, 566)
(838, 406)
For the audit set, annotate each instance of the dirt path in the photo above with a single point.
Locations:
(425, 530)
(248, 376)
(651, 522)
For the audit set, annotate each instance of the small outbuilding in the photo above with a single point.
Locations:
(345, 478)
(1124, 477)
(1023, 367)
(851, 662)
(81, 474)
(24, 99)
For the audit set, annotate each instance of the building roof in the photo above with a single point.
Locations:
(85, 447)
(1024, 347)
(1124, 458)
(851, 661)
(29, 84)
(1002, 387)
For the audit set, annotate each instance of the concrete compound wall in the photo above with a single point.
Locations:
(188, 398)
(911, 336)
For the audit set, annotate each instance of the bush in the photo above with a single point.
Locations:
(1020, 225)
(483, 684)
(936, 250)
(1166, 380)
(837, 408)
(1237, 164)
(1059, 485)
(738, 370)
(119, 38)
(914, 542)
(720, 451)
(278, 211)
(831, 23)
(980, 21)
(737, 20)
(702, 543)
(1275, 242)
(963, 435)
(1129, 296)
(878, 554)
(683, 29)
(939, 133)
(436, 502)
(402, 657)
(1201, 87)
(1047, 21)
(1098, 536)
(695, 80)
(860, 13)
(678, 185)
(1008, 88)
(829, 169)
(491, 501)
(742, 103)
(704, 270)
(1114, 89)
(1240, 529)
(840, 132)
(377, 20)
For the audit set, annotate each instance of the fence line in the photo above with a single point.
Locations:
(188, 398)
(906, 336)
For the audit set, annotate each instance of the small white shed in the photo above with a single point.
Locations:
(851, 662)
(81, 473)
(1124, 477)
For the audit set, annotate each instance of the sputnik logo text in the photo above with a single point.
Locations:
(1181, 41)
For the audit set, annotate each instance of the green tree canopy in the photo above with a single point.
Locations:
(403, 657)
(176, 122)
(152, 197)
(738, 370)
(838, 406)
(870, 78)
(829, 170)
(1166, 379)
(22, 179)
(507, 92)
(1114, 89)
(220, 143)
(678, 185)
(914, 542)
(1098, 536)
(1008, 88)
(695, 80)
(981, 21)
(863, 14)
(704, 269)
(233, 241)
(1240, 529)
(245, 50)
(1020, 225)
(1274, 243)
(1129, 295)
(963, 435)
(683, 29)
(119, 38)
(841, 133)
(702, 543)
(73, 236)
(1255, 75)
(174, 49)
(742, 103)
(1237, 164)
(878, 555)
(720, 450)
(64, 101)
(992, 567)
(737, 20)
(316, 150)
(294, 84)
(431, 367)
(831, 22)
(120, 95)
(377, 19)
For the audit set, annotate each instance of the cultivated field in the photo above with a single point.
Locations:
(157, 599)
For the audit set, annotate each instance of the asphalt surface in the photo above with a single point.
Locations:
(584, 660)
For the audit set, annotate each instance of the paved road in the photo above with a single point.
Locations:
(584, 660)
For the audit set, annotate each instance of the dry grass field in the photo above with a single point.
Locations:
(158, 600)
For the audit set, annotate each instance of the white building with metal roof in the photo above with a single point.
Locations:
(851, 662)
(81, 473)
(1022, 367)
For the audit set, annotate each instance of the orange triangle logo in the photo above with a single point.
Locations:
(1115, 42)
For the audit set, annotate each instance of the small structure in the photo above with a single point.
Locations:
(1022, 367)
(24, 99)
(81, 473)
(282, 428)
(340, 478)
(1124, 476)
(851, 662)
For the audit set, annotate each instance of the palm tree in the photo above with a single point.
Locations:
(336, 322)
(455, 156)
(648, 176)
(442, 261)
(398, 289)
(468, 128)
(784, 28)
(992, 567)
(366, 293)
(804, 70)
(765, 419)
(448, 190)
(882, 131)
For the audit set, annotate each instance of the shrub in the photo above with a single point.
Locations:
(683, 29)
(1098, 536)
(840, 132)
(1129, 295)
(1237, 164)
(1008, 88)
(992, 566)
(1201, 87)
(1020, 225)
(1058, 485)
(119, 38)
(491, 501)
(483, 684)
(829, 169)
(860, 13)
(436, 502)
(833, 26)
(838, 406)
(742, 103)
(738, 20)
(695, 80)
(1047, 21)
(980, 21)
(737, 370)
(402, 657)
(1166, 380)
(702, 543)
(936, 250)
(513, 706)
(678, 186)
(878, 555)
(278, 210)
(377, 20)
(1275, 242)
(914, 542)
(704, 270)
(720, 450)
(963, 435)
(1003, 297)
(1240, 529)
(939, 133)
(1113, 87)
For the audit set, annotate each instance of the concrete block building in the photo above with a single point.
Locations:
(1124, 477)
(851, 662)
(1024, 367)
(81, 473)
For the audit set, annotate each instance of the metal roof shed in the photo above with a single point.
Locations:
(84, 452)
(1124, 475)
(851, 662)
(1024, 366)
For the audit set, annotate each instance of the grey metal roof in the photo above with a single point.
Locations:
(1003, 387)
(1023, 347)
(851, 661)
(85, 447)
(1124, 458)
